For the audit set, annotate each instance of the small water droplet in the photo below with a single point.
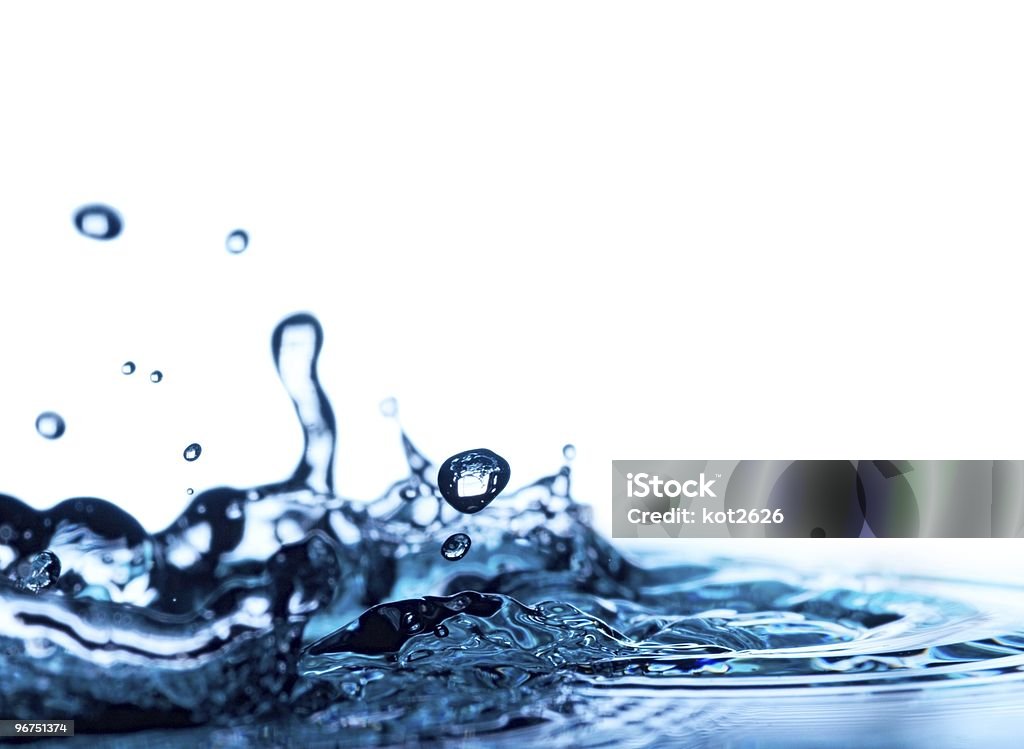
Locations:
(44, 573)
(233, 511)
(189, 491)
(456, 546)
(470, 480)
(156, 375)
(128, 368)
(411, 623)
(441, 631)
(237, 241)
(192, 452)
(818, 533)
(98, 221)
(50, 425)
(569, 452)
(389, 407)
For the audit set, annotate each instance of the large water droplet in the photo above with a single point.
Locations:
(50, 425)
(156, 375)
(237, 241)
(98, 221)
(192, 452)
(44, 573)
(128, 368)
(456, 546)
(470, 480)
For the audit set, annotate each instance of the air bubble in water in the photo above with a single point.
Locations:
(237, 241)
(569, 452)
(128, 368)
(98, 221)
(192, 452)
(470, 480)
(156, 375)
(50, 425)
(389, 407)
(44, 573)
(456, 546)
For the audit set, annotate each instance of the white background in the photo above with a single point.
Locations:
(656, 230)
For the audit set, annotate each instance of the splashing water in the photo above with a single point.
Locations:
(285, 613)
(43, 573)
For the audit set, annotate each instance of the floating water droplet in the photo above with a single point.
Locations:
(441, 631)
(456, 546)
(470, 480)
(569, 452)
(98, 221)
(389, 407)
(192, 452)
(189, 491)
(128, 368)
(50, 425)
(156, 375)
(44, 573)
(237, 241)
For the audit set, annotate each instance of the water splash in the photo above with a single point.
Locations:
(323, 620)
(42, 574)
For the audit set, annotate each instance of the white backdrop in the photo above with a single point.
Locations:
(657, 230)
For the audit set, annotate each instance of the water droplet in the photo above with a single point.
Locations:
(50, 425)
(818, 533)
(189, 491)
(411, 623)
(44, 573)
(233, 511)
(470, 480)
(389, 407)
(156, 375)
(98, 221)
(128, 368)
(456, 546)
(237, 241)
(441, 631)
(569, 452)
(192, 452)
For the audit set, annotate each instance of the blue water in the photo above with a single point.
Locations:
(287, 615)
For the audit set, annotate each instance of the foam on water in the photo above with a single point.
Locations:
(286, 613)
